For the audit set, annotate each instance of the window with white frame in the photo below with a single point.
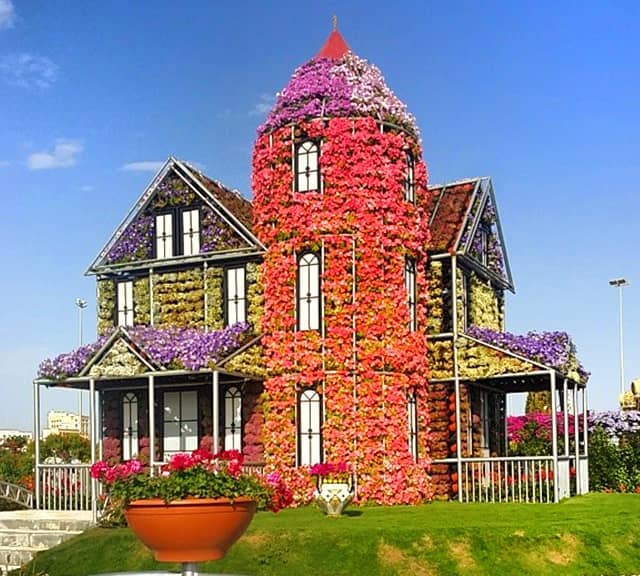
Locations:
(308, 311)
(307, 167)
(164, 235)
(410, 285)
(235, 295)
(485, 421)
(233, 419)
(180, 422)
(409, 183)
(309, 428)
(125, 303)
(412, 424)
(191, 232)
(129, 426)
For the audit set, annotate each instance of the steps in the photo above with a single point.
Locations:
(25, 532)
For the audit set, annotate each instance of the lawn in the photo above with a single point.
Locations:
(598, 534)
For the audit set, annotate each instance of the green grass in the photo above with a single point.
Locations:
(598, 534)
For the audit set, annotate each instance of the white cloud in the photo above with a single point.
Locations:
(28, 70)
(7, 14)
(265, 104)
(144, 166)
(63, 155)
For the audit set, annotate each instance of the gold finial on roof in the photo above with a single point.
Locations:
(335, 22)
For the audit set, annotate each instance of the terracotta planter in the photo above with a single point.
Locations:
(192, 530)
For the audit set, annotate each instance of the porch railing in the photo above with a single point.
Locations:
(64, 487)
(508, 479)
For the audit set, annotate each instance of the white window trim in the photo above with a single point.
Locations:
(410, 286)
(308, 292)
(130, 417)
(233, 419)
(164, 236)
(236, 295)
(309, 428)
(124, 300)
(191, 232)
(307, 175)
(186, 417)
(412, 424)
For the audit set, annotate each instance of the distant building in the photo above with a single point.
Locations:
(7, 433)
(62, 422)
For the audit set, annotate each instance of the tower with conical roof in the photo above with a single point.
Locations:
(339, 187)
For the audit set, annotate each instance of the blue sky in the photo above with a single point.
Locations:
(541, 96)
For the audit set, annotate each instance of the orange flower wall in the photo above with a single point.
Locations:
(367, 360)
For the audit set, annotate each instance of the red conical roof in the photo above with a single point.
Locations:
(335, 47)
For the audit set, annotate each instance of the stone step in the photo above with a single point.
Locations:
(25, 532)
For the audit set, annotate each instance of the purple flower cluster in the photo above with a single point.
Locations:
(349, 86)
(615, 422)
(553, 349)
(217, 234)
(169, 347)
(189, 348)
(70, 363)
(135, 242)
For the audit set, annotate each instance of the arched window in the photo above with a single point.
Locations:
(409, 183)
(308, 312)
(307, 167)
(309, 428)
(412, 421)
(233, 419)
(129, 426)
(410, 285)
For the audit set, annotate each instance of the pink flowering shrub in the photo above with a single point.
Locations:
(199, 474)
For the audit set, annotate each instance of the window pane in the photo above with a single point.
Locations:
(171, 405)
(171, 437)
(189, 405)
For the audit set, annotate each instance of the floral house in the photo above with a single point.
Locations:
(349, 312)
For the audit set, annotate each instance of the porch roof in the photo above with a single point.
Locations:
(513, 371)
(135, 353)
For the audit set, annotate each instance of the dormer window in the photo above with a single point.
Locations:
(164, 235)
(409, 183)
(177, 233)
(307, 167)
(191, 232)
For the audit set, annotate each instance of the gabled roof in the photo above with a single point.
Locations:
(228, 204)
(456, 211)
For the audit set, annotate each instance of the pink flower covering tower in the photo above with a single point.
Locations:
(339, 188)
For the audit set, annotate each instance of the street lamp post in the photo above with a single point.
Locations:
(81, 304)
(620, 283)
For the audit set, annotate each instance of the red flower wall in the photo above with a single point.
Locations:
(368, 360)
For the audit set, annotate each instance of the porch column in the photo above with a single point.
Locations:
(585, 437)
(151, 413)
(456, 371)
(576, 437)
(554, 437)
(565, 415)
(92, 440)
(215, 417)
(36, 441)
